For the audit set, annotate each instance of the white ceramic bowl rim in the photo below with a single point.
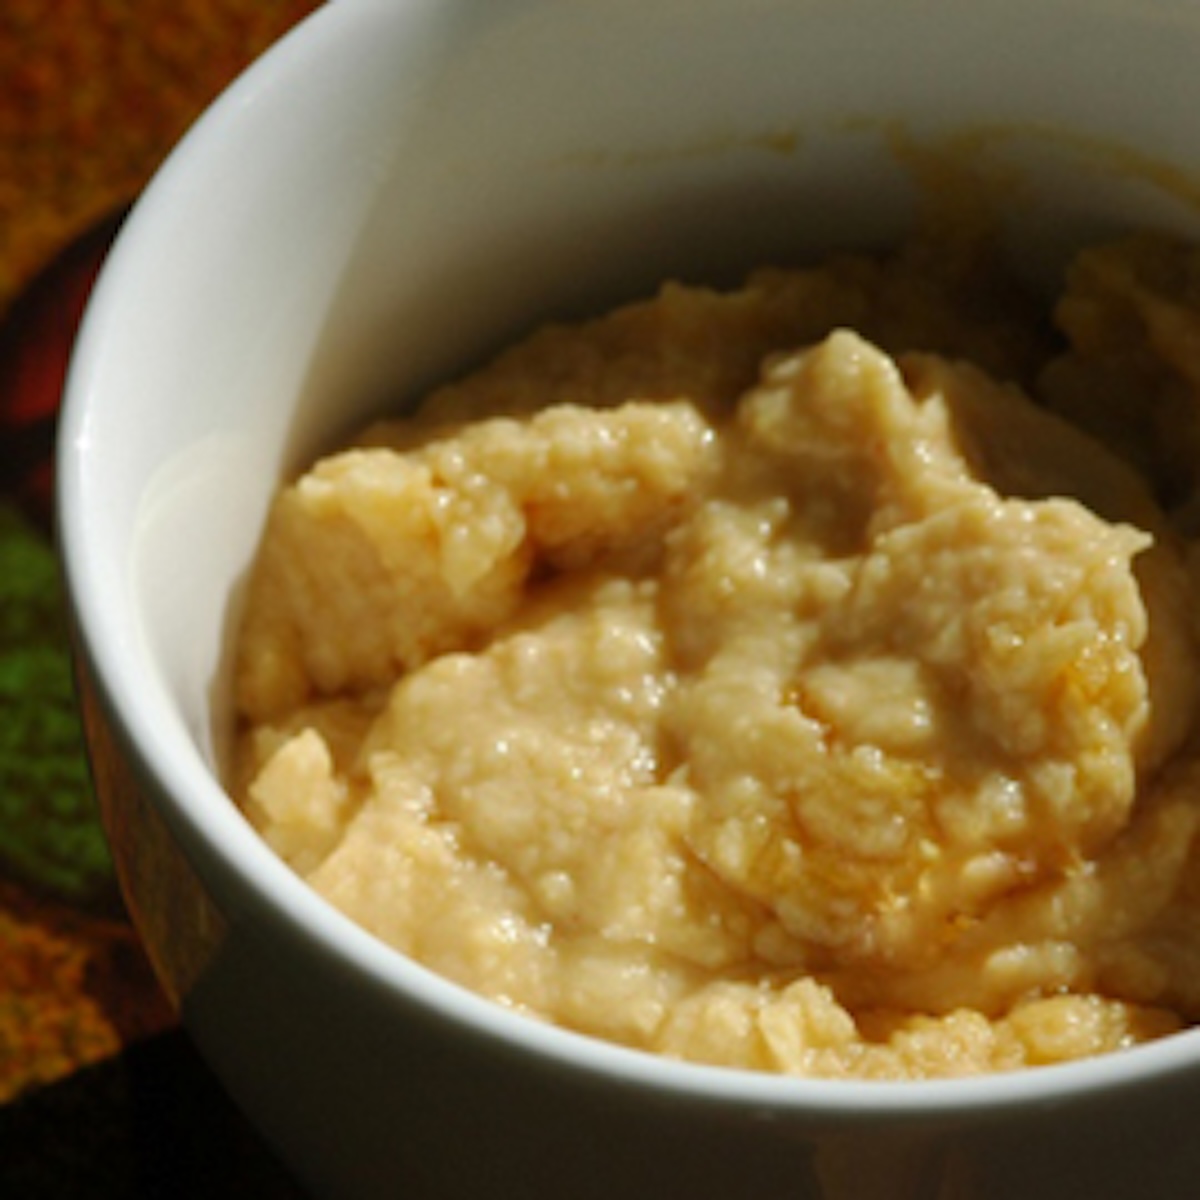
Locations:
(199, 812)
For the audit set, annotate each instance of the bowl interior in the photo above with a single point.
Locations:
(397, 189)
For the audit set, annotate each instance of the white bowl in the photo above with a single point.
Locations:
(395, 189)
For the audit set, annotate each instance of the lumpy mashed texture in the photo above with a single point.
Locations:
(799, 677)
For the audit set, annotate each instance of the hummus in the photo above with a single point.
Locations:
(800, 677)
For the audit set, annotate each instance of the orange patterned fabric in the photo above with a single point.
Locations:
(93, 93)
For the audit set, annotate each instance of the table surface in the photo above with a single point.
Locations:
(101, 1093)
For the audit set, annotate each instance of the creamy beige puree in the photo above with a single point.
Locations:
(717, 680)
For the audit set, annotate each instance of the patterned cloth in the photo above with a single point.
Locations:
(100, 1094)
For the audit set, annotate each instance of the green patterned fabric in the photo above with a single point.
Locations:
(50, 835)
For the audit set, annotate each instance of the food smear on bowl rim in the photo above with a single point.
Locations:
(799, 677)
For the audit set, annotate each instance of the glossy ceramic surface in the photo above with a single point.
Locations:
(388, 195)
